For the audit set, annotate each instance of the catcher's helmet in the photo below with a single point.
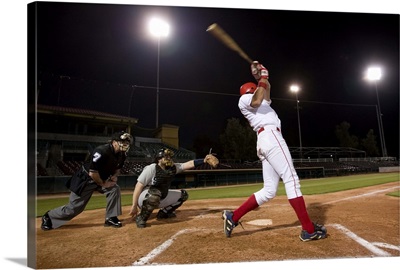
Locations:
(164, 152)
(248, 88)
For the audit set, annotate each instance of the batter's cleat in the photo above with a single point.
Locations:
(228, 222)
(140, 222)
(163, 215)
(113, 222)
(319, 233)
(46, 222)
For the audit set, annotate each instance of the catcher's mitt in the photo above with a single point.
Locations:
(211, 160)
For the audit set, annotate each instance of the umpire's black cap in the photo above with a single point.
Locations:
(122, 136)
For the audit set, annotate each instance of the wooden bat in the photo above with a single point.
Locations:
(227, 40)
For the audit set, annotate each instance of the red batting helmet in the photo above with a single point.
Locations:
(248, 88)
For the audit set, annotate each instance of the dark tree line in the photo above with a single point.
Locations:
(346, 139)
(238, 141)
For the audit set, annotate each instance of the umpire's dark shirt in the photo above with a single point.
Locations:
(105, 161)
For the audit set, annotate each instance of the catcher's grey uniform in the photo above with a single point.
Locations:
(154, 176)
(152, 187)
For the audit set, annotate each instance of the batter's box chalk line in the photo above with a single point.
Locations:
(158, 250)
(387, 246)
(373, 247)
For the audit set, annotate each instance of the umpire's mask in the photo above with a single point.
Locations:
(123, 139)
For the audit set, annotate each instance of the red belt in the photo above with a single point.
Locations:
(262, 129)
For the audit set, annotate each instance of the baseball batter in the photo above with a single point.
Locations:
(152, 189)
(255, 105)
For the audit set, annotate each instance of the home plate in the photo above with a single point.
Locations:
(260, 222)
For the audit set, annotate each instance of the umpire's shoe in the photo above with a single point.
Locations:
(319, 233)
(46, 222)
(113, 222)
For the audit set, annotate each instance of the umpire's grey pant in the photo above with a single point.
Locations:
(61, 215)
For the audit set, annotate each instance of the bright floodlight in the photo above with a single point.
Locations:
(374, 74)
(294, 88)
(159, 28)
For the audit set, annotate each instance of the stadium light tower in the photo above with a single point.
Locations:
(295, 89)
(159, 29)
(374, 74)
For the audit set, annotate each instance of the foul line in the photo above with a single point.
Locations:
(377, 251)
(158, 250)
(362, 195)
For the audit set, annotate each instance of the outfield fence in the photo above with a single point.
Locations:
(215, 177)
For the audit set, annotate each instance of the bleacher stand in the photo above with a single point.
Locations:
(40, 170)
(134, 167)
(69, 167)
(141, 154)
(138, 157)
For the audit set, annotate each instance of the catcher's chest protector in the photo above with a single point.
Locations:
(163, 179)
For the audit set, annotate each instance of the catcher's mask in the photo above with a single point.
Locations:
(167, 154)
(123, 139)
(248, 88)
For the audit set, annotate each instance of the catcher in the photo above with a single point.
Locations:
(153, 191)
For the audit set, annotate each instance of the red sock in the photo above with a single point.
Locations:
(247, 206)
(299, 207)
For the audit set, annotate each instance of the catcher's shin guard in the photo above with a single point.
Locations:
(168, 211)
(150, 202)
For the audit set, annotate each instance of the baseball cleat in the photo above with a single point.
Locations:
(140, 222)
(46, 222)
(163, 215)
(228, 222)
(319, 233)
(113, 222)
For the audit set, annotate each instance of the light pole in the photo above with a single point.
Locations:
(130, 100)
(374, 74)
(158, 28)
(295, 89)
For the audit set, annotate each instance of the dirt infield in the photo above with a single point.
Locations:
(361, 223)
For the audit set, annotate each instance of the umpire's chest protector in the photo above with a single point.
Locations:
(163, 178)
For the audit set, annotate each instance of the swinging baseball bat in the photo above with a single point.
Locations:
(227, 40)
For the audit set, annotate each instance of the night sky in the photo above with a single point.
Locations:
(326, 52)
(102, 50)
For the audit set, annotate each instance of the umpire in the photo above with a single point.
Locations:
(98, 174)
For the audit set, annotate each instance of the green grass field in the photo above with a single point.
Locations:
(308, 187)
